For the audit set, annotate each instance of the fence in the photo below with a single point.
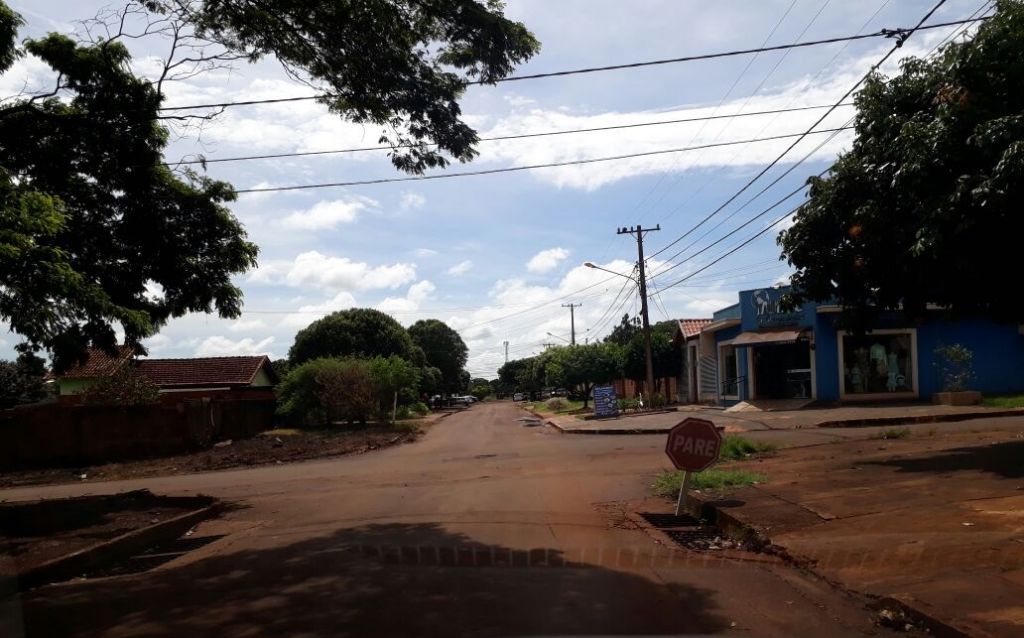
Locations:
(55, 435)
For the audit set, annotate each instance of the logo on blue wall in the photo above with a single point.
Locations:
(767, 303)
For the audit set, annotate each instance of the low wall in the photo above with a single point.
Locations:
(55, 435)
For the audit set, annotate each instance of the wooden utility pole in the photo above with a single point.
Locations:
(506, 350)
(572, 321)
(642, 282)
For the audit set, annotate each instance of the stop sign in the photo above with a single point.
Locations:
(693, 444)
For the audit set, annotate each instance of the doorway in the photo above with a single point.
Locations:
(782, 371)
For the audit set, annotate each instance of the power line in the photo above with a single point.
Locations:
(899, 33)
(364, 149)
(899, 43)
(511, 169)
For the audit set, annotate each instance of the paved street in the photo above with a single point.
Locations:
(433, 538)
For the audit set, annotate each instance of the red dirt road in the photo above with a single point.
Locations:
(482, 528)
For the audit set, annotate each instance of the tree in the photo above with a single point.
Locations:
(443, 348)
(21, 381)
(586, 366)
(624, 332)
(327, 390)
(127, 386)
(480, 388)
(525, 375)
(91, 221)
(357, 332)
(926, 205)
(394, 379)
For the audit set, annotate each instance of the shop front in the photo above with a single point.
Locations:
(766, 352)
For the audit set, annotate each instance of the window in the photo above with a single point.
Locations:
(878, 363)
(729, 370)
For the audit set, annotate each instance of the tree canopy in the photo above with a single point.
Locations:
(443, 348)
(925, 208)
(21, 381)
(356, 332)
(91, 221)
(584, 365)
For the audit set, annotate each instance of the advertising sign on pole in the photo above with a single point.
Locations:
(606, 404)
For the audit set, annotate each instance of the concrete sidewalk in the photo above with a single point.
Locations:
(748, 421)
(933, 524)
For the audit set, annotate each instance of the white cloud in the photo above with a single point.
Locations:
(311, 312)
(424, 252)
(156, 343)
(218, 346)
(247, 325)
(546, 260)
(313, 268)
(460, 268)
(328, 214)
(416, 295)
(411, 201)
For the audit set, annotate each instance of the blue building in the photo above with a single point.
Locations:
(755, 350)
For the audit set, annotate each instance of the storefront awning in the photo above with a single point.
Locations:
(768, 337)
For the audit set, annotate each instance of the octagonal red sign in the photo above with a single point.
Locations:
(693, 444)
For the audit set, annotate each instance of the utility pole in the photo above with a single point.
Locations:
(572, 320)
(642, 282)
(506, 350)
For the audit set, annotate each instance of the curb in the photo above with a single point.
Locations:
(923, 418)
(739, 529)
(71, 565)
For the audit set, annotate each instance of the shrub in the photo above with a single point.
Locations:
(955, 365)
(402, 412)
(125, 387)
(657, 400)
(320, 391)
(557, 404)
(420, 408)
(391, 375)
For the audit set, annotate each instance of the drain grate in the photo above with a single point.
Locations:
(688, 532)
(154, 556)
(668, 521)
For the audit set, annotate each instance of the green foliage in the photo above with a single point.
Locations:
(925, 206)
(525, 375)
(90, 217)
(443, 348)
(556, 404)
(125, 387)
(398, 63)
(1004, 401)
(667, 484)
(21, 381)
(955, 366)
(431, 382)
(419, 409)
(737, 448)
(390, 376)
(281, 368)
(586, 365)
(357, 332)
(481, 391)
(656, 401)
(895, 433)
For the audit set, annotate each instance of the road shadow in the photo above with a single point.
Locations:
(1005, 459)
(375, 580)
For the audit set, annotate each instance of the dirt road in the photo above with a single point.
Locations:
(482, 528)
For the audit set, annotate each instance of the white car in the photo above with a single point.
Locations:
(518, 396)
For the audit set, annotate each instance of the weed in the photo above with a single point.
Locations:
(737, 448)
(895, 433)
(668, 483)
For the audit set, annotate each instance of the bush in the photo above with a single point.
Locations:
(323, 390)
(402, 412)
(125, 387)
(657, 400)
(419, 408)
(389, 376)
(955, 365)
(557, 404)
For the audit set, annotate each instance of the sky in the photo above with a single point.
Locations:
(496, 256)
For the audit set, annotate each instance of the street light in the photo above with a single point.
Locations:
(550, 334)
(642, 285)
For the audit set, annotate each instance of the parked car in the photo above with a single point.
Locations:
(518, 396)
(467, 399)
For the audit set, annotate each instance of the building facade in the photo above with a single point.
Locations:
(755, 350)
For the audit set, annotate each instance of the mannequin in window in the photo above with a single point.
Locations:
(892, 361)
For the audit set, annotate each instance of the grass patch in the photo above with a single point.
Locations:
(895, 433)
(282, 432)
(1004, 401)
(559, 406)
(737, 448)
(668, 483)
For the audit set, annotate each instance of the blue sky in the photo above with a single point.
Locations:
(496, 256)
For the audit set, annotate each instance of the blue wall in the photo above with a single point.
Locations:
(998, 354)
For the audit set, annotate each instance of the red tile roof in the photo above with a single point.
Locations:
(692, 327)
(209, 371)
(98, 364)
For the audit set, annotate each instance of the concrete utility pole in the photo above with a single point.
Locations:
(572, 321)
(642, 282)
(506, 351)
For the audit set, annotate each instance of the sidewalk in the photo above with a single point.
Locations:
(933, 524)
(843, 416)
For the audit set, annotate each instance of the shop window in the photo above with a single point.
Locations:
(878, 363)
(730, 370)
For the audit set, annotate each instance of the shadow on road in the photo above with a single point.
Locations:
(376, 580)
(1005, 459)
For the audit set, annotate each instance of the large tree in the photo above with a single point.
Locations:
(92, 223)
(21, 381)
(357, 332)
(443, 348)
(926, 205)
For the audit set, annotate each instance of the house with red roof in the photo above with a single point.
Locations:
(244, 377)
(693, 350)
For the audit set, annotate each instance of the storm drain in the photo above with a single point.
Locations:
(688, 532)
(154, 556)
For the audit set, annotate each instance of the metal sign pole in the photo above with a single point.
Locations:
(683, 489)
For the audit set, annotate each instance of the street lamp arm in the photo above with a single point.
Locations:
(589, 264)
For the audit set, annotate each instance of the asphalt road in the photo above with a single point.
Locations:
(482, 528)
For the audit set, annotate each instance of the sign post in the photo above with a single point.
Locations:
(693, 445)
(606, 404)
